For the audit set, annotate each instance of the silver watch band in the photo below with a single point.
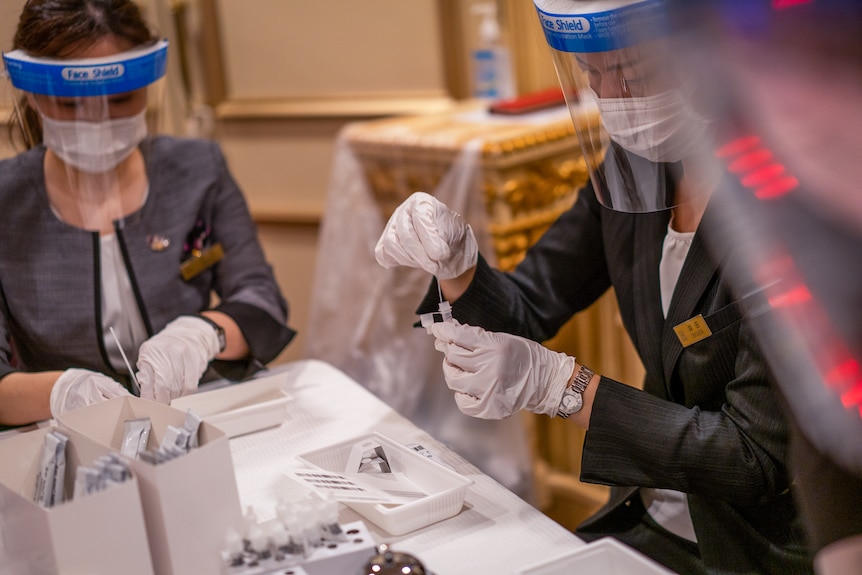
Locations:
(582, 379)
(579, 385)
(220, 334)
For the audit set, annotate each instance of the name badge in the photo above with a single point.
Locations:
(208, 258)
(692, 331)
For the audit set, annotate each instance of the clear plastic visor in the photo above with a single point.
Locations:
(652, 130)
(92, 115)
(86, 98)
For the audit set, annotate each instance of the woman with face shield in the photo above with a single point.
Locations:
(696, 460)
(116, 242)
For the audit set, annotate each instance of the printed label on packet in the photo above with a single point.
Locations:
(396, 488)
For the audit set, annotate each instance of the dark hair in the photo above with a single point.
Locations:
(63, 28)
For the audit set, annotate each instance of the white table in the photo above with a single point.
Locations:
(496, 531)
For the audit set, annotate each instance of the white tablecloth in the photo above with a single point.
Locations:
(496, 531)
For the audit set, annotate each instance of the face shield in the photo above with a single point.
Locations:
(617, 57)
(92, 113)
(789, 80)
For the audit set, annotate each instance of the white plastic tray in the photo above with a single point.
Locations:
(605, 556)
(242, 407)
(445, 489)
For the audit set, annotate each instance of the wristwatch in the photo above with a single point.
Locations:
(222, 339)
(573, 396)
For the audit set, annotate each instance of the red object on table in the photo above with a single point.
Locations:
(529, 102)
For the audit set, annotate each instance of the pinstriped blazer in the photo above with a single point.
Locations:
(708, 421)
(50, 305)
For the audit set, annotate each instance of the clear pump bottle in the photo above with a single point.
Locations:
(492, 63)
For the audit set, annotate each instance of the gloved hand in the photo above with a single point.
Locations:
(81, 387)
(172, 362)
(424, 233)
(495, 374)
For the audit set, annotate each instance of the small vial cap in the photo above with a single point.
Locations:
(233, 542)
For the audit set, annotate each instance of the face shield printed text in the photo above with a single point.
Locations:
(91, 73)
(604, 31)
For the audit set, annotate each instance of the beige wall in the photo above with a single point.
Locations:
(292, 74)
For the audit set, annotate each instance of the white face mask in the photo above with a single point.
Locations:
(94, 146)
(661, 128)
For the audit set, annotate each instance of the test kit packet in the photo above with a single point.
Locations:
(190, 502)
(104, 532)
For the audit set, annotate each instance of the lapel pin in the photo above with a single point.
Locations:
(158, 243)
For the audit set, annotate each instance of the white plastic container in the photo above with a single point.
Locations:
(445, 489)
(241, 408)
(606, 556)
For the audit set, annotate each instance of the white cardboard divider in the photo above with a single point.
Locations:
(191, 502)
(103, 532)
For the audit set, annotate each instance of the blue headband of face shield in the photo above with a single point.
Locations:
(582, 27)
(117, 74)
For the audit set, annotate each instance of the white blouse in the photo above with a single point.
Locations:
(667, 507)
(119, 308)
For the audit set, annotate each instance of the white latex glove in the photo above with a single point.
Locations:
(495, 374)
(424, 233)
(81, 387)
(172, 362)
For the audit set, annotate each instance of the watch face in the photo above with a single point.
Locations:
(572, 402)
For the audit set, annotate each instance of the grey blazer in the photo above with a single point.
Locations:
(708, 422)
(49, 271)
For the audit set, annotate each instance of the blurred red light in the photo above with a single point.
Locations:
(795, 296)
(776, 188)
(762, 175)
(842, 372)
(782, 4)
(854, 396)
(750, 161)
(737, 146)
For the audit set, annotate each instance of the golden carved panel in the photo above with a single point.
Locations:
(530, 173)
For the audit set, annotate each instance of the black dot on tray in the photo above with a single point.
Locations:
(358, 540)
(353, 531)
(332, 546)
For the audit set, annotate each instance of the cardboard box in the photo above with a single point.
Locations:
(191, 502)
(103, 532)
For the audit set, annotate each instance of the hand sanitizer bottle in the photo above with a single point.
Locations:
(492, 65)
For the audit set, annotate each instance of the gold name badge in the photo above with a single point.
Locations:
(692, 331)
(195, 265)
